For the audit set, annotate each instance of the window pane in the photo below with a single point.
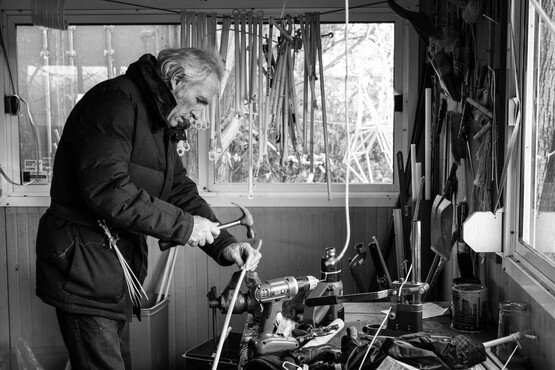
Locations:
(370, 103)
(55, 68)
(539, 197)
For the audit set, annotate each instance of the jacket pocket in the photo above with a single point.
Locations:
(55, 241)
(95, 271)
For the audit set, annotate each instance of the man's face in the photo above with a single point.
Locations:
(192, 99)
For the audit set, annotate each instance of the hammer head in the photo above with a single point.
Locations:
(246, 220)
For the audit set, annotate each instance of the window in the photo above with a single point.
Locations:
(536, 247)
(55, 68)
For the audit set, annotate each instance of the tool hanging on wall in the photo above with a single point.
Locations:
(460, 197)
(441, 228)
(460, 149)
(382, 273)
(323, 99)
(198, 30)
(261, 93)
(356, 266)
(403, 242)
(251, 96)
(259, 74)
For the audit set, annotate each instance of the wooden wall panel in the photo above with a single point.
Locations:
(293, 241)
(4, 309)
(29, 318)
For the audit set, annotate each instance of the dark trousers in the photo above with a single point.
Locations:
(95, 342)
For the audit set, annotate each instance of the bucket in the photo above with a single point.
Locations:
(469, 306)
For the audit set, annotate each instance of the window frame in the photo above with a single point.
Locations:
(379, 195)
(526, 267)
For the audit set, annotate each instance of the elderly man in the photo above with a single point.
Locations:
(117, 178)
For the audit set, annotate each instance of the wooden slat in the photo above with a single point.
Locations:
(12, 242)
(4, 301)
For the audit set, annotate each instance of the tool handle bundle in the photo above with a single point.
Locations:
(259, 91)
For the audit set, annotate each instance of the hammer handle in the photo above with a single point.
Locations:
(229, 224)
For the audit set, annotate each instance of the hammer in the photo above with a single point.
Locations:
(245, 220)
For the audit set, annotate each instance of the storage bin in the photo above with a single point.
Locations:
(149, 337)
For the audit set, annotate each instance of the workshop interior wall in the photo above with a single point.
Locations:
(293, 241)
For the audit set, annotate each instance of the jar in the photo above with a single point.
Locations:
(512, 319)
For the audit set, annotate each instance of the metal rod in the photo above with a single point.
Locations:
(243, 64)
(399, 242)
(416, 251)
(261, 96)
(237, 42)
(229, 313)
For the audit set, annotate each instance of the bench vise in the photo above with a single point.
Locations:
(264, 300)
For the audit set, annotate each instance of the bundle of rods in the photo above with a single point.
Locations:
(261, 67)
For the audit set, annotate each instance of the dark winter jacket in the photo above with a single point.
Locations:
(117, 162)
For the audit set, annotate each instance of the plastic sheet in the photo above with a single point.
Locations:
(26, 359)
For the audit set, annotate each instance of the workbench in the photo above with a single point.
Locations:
(357, 315)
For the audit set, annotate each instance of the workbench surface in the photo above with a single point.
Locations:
(360, 314)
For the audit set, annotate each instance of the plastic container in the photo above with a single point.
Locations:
(149, 337)
(512, 319)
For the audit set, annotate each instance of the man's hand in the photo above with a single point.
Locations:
(242, 254)
(204, 232)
